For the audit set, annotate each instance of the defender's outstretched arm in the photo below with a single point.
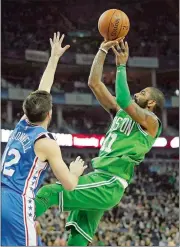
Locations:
(56, 52)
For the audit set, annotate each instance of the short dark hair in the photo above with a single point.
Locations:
(158, 96)
(37, 105)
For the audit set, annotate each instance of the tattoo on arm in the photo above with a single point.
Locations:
(145, 116)
(97, 66)
(142, 113)
(100, 91)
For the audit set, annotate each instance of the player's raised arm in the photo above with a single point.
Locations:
(47, 149)
(97, 86)
(142, 116)
(56, 52)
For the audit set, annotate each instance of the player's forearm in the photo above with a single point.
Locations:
(68, 180)
(123, 96)
(48, 75)
(74, 180)
(97, 68)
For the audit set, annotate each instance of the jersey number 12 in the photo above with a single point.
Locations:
(13, 161)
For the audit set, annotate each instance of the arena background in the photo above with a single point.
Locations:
(149, 212)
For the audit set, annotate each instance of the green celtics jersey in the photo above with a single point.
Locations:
(124, 146)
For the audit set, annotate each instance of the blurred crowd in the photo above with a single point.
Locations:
(146, 216)
(29, 24)
(79, 84)
(83, 120)
(64, 85)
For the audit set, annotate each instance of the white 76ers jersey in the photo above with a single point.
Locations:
(22, 171)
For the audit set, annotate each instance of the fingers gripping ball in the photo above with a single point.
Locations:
(113, 24)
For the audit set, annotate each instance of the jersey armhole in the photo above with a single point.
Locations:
(159, 128)
(44, 135)
(112, 113)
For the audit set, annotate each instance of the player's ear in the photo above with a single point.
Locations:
(49, 115)
(151, 104)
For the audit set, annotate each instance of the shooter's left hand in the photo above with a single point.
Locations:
(122, 53)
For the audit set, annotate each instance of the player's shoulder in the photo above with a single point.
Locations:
(154, 124)
(45, 135)
(45, 144)
(159, 123)
(155, 117)
(46, 147)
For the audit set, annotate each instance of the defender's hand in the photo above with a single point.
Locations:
(77, 167)
(122, 53)
(56, 46)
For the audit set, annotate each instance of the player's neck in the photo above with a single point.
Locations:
(42, 124)
(149, 109)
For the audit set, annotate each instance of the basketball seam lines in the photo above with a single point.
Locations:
(110, 23)
(120, 28)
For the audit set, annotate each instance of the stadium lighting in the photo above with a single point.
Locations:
(93, 140)
(5, 134)
(175, 142)
(177, 92)
(160, 142)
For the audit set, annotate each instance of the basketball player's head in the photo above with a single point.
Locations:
(38, 107)
(150, 98)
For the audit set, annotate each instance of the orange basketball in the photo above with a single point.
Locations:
(113, 24)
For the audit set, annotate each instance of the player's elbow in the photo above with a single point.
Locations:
(70, 183)
(67, 183)
(69, 186)
(91, 82)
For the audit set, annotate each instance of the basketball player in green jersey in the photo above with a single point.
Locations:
(131, 135)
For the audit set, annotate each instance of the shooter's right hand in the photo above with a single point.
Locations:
(106, 45)
(77, 167)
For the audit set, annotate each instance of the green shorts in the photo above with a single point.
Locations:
(96, 192)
